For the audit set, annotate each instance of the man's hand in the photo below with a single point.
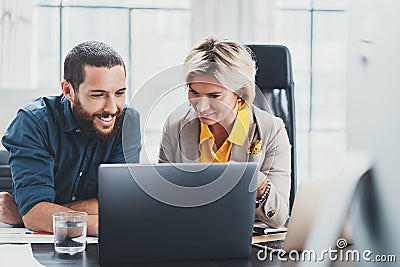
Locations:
(39, 218)
(9, 213)
(90, 206)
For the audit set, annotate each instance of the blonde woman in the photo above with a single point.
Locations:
(222, 125)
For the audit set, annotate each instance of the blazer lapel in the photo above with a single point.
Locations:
(189, 139)
(240, 153)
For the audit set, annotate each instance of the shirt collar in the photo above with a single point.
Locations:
(69, 121)
(240, 127)
(205, 133)
(239, 130)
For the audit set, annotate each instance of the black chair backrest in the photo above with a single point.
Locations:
(276, 95)
(5, 172)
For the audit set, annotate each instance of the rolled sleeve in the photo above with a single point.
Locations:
(27, 197)
(31, 163)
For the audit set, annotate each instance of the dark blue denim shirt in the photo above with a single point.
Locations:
(51, 160)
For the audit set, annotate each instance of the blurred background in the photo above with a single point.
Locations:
(345, 60)
(151, 35)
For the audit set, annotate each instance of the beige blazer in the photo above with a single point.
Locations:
(180, 143)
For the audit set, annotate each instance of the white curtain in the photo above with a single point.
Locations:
(15, 43)
(245, 21)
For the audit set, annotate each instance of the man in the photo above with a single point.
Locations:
(57, 143)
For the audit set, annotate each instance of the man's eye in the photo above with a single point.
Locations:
(120, 93)
(214, 96)
(97, 95)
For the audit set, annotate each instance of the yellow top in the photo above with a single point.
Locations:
(237, 136)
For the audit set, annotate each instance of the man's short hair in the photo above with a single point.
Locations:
(90, 53)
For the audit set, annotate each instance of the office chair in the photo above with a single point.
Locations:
(5, 172)
(275, 80)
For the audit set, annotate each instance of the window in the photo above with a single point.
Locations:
(315, 32)
(138, 30)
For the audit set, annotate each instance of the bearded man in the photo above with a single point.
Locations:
(57, 143)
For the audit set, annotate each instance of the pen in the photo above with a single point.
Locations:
(38, 233)
(275, 232)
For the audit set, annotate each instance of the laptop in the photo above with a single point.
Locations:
(318, 219)
(175, 212)
(309, 199)
(309, 195)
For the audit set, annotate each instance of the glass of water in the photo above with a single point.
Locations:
(69, 231)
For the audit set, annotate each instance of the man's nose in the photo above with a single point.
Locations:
(110, 105)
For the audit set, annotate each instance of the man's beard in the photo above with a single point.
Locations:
(85, 121)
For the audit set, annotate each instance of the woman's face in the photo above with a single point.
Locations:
(212, 102)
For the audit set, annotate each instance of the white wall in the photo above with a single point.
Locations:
(13, 99)
(15, 43)
(373, 111)
(245, 21)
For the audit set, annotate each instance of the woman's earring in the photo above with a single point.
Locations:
(240, 103)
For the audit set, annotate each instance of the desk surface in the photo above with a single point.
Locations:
(45, 254)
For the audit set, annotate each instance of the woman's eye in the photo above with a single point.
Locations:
(214, 96)
(193, 92)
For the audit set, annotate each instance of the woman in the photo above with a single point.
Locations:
(222, 124)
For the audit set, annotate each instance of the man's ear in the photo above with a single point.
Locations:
(68, 90)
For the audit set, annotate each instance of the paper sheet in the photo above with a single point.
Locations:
(24, 235)
(17, 255)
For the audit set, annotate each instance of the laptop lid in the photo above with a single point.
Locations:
(318, 222)
(309, 196)
(331, 216)
(170, 212)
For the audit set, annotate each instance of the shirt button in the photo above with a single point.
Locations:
(77, 130)
(80, 174)
(73, 198)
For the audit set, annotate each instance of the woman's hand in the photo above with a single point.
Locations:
(262, 187)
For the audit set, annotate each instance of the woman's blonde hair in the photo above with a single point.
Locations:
(228, 61)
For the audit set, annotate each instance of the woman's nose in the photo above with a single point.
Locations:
(203, 104)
